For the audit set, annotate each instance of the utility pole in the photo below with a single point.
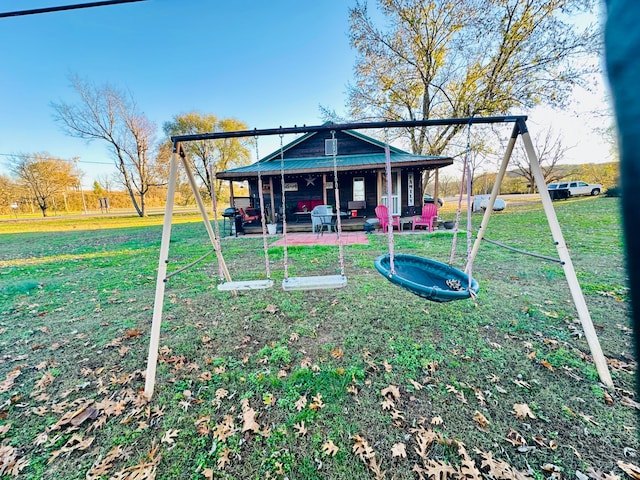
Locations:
(84, 204)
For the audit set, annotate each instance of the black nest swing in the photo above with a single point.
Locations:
(427, 278)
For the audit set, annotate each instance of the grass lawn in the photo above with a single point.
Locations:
(368, 381)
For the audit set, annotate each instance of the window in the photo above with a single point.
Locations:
(358, 189)
(331, 146)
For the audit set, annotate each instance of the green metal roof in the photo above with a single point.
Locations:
(372, 161)
(270, 165)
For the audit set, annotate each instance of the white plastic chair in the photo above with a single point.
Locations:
(321, 217)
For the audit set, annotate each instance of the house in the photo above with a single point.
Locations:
(308, 168)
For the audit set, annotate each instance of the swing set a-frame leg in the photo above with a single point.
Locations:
(154, 340)
(520, 128)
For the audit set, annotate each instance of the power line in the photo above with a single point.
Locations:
(65, 7)
(67, 160)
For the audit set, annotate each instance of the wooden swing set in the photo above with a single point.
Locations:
(410, 272)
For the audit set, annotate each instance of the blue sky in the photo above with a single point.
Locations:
(266, 63)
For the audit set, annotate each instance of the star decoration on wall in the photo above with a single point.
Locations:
(311, 180)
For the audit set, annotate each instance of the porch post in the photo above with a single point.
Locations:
(232, 200)
(324, 188)
(272, 218)
(436, 187)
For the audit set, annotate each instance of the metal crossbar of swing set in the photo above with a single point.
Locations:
(520, 120)
(186, 267)
(523, 252)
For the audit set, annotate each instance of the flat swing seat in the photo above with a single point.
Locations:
(427, 278)
(314, 283)
(245, 285)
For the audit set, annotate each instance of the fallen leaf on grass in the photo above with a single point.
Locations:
(207, 473)
(399, 450)
(223, 459)
(337, 353)
(515, 439)
(630, 469)
(437, 420)
(301, 429)
(392, 391)
(330, 448)
(4, 428)
(169, 436)
(546, 365)
(271, 308)
(317, 402)
(249, 418)
(416, 385)
(522, 411)
(144, 470)
(10, 463)
(221, 393)
(480, 419)
(301, 403)
(7, 383)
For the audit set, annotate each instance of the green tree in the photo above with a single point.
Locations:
(108, 115)
(220, 154)
(451, 58)
(45, 176)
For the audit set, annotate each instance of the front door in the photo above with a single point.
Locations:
(395, 191)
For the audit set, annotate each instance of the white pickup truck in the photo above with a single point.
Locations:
(573, 189)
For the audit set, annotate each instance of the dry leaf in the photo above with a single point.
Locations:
(392, 391)
(223, 459)
(301, 403)
(630, 469)
(436, 420)
(522, 411)
(329, 448)
(337, 353)
(169, 436)
(415, 384)
(317, 402)
(208, 473)
(515, 439)
(546, 365)
(301, 430)
(134, 332)
(221, 393)
(271, 308)
(387, 367)
(399, 450)
(480, 419)
(249, 418)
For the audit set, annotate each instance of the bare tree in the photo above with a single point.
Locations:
(45, 176)
(451, 58)
(550, 151)
(106, 114)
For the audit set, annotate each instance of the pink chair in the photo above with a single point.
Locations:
(382, 212)
(429, 213)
